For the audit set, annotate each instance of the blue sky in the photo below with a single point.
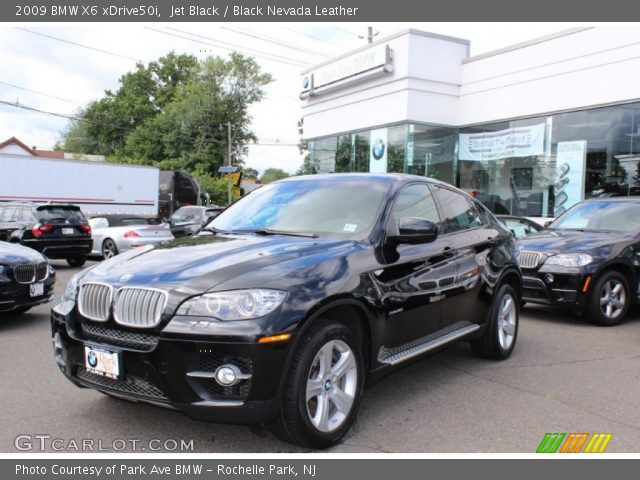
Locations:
(74, 75)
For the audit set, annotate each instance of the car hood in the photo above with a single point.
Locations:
(195, 264)
(593, 243)
(11, 253)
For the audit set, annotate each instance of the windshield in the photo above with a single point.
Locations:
(610, 216)
(344, 207)
(187, 214)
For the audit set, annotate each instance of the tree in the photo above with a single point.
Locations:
(273, 174)
(250, 173)
(174, 114)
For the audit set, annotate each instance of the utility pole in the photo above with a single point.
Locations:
(229, 155)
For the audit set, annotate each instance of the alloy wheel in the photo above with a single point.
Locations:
(331, 386)
(109, 249)
(507, 316)
(613, 298)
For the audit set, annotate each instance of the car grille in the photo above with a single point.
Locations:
(120, 338)
(210, 363)
(30, 273)
(529, 259)
(94, 301)
(428, 285)
(130, 386)
(445, 282)
(139, 307)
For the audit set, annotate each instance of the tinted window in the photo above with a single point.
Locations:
(458, 212)
(60, 215)
(415, 201)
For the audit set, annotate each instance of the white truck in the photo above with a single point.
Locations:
(97, 187)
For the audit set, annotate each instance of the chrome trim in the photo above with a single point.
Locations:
(136, 310)
(218, 403)
(529, 258)
(95, 301)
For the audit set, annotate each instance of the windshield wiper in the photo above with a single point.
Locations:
(268, 231)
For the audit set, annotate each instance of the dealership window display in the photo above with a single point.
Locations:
(537, 167)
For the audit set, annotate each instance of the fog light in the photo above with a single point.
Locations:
(549, 278)
(227, 375)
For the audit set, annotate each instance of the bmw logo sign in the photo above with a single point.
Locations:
(305, 83)
(92, 359)
(377, 149)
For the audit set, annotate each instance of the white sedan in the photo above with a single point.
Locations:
(113, 234)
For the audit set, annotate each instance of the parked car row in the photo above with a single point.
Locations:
(281, 308)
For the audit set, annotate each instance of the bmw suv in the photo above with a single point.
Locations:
(292, 300)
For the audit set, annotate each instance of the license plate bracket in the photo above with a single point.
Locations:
(100, 361)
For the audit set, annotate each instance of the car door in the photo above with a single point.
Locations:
(411, 286)
(472, 237)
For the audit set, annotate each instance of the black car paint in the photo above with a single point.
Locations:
(610, 250)
(54, 245)
(371, 282)
(15, 295)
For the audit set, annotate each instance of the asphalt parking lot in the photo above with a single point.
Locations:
(564, 376)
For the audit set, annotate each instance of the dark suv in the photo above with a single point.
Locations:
(291, 300)
(55, 230)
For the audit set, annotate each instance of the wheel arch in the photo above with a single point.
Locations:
(513, 277)
(624, 269)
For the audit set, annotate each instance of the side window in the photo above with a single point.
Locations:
(8, 214)
(98, 222)
(415, 201)
(26, 215)
(458, 212)
(485, 217)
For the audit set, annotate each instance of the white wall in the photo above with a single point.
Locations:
(586, 67)
(13, 149)
(435, 83)
(403, 94)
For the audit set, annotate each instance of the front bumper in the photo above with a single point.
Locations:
(554, 288)
(14, 296)
(158, 368)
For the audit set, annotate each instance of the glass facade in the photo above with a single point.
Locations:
(536, 167)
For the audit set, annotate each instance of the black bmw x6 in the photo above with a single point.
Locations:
(26, 278)
(290, 301)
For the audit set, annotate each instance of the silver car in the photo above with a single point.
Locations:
(113, 234)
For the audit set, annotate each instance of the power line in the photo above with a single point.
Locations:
(275, 41)
(317, 39)
(215, 43)
(77, 44)
(39, 93)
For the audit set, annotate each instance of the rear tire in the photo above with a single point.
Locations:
(501, 331)
(322, 389)
(76, 261)
(109, 249)
(609, 300)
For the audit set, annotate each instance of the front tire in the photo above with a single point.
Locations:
(76, 261)
(609, 300)
(322, 389)
(499, 338)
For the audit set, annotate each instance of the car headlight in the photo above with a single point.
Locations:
(570, 260)
(71, 289)
(234, 304)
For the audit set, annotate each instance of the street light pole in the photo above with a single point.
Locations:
(229, 155)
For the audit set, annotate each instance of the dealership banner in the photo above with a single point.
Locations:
(512, 142)
(570, 169)
(378, 151)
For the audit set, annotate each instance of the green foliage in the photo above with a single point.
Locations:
(307, 167)
(250, 173)
(217, 188)
(173, 114)
(273, 174)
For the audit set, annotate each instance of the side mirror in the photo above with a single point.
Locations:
(414, 231)
(547, 223)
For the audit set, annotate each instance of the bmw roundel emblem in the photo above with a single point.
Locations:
(378, 149)
(92, 359)
(126, 278)
(305, 82)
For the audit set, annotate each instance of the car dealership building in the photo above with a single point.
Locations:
(529, 129)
